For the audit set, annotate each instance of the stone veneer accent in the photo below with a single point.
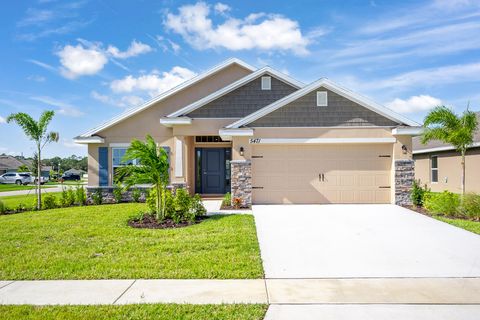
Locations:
(108, 196)
(404, 177)
(242, 181)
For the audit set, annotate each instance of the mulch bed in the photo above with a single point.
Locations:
(419, 210)
(150, 222)
(224, 207)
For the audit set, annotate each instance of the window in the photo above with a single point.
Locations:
(117, 155)
(208, 139)
(434, 169)
(266, 83)
(322, 99)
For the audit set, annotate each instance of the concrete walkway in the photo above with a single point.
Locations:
(446, 291)
(32, 191)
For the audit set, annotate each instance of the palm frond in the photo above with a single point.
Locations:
(44, 120)
(26, 122)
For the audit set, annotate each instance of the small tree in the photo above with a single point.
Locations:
(37, 132)
(153, 168)
(22, 168)
(444, 125)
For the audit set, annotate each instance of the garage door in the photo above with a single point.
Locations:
(321, 174)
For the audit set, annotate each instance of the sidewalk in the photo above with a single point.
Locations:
(32, 191)
(395, 291)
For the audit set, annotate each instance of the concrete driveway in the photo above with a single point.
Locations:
(361, 241)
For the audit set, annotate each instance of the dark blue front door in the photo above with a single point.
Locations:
(213, 170)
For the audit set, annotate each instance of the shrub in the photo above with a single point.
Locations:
(444, 203)
(117, 194)
(70, 197)
(470, 206)
(169, 204)
(136, 194)
(197, 206)
(97, 196)
(80, 196)
(182, 204)
(417, 194)
(21, 207)
(151, 201)
(49, 201)
(227, 200)
(237, 202)
(3, 208)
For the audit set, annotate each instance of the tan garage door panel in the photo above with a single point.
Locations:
(321, 174)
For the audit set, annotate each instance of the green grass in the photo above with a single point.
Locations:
(95, 242)
(29, 200)
(136, 311)
(472, 226)
(14, 187)
(67, 183)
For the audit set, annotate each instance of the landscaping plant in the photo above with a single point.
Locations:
(443, 203)
(97, 196)
(37, 132)
(470, 207)
(117, 194)
(418, 193)
(49, 201)
(444, 125)
(153, 169)
(3, 208)
(80, 195)
(227, 199)
(136, 194)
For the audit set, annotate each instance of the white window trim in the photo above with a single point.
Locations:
(431, 169)
(266, 83)
(326, 99)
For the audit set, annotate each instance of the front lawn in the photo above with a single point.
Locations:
(95, 242)
(14, 187)
(136, 311)
(26, 200)
(472, 226)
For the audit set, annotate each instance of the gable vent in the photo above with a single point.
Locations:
(322, 99)
(266, 83)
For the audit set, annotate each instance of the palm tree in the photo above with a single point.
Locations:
(36, 131)
(444, 125)
(153, 168)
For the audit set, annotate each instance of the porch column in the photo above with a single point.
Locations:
(241, 182)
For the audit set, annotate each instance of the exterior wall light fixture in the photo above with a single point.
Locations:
(404, 149)
(241, 151)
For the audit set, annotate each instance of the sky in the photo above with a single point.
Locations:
(89, 60)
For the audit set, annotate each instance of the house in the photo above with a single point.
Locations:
(78, 172)
(11, 164)
(267, 138)
(438, 165)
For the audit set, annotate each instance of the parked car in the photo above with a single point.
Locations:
(16, 178)
(43, 180)
(71, 177)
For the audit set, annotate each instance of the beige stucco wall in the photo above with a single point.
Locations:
(450, 171)
(148, 122)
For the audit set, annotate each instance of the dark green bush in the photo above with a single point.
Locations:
(151, 201)
(80, 196)
(67, 197)
(197, 206)
(117, 194)
(182, 203)
(470, 207)
(97, 196)
(444, 203)
(418, 193)
(49, 201)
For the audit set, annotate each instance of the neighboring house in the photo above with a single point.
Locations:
(11, 164)
(438, 165)
(267, 138)
(74, 171)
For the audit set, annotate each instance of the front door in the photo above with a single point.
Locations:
(212, 170)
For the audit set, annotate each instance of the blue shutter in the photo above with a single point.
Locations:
(103, 166)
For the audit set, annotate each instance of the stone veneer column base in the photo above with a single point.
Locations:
(242, 181)
(404, 177)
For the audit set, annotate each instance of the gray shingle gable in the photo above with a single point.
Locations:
(304, 112)
(244, 100)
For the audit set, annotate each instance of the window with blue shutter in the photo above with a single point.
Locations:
(103, 166)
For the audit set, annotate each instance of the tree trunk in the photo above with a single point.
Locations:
(463, 172)
(39, 174)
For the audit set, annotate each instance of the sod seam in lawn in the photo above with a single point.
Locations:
(137, 311)
(95, 242)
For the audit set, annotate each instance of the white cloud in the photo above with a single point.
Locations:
(154, 83)
(64, 108)
(122, 102)
(79, 60)
(136, 48)
(221, 7)
(257, 31)
(70, 144)
(43, 65)
(2, 120)
(414, 104)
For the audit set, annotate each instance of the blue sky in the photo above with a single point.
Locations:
(91, 59)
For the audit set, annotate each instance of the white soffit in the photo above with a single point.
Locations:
(407, 131)
(167, 94)
(444, 148)
(169, 122)
(361, 100)
(88, 140)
